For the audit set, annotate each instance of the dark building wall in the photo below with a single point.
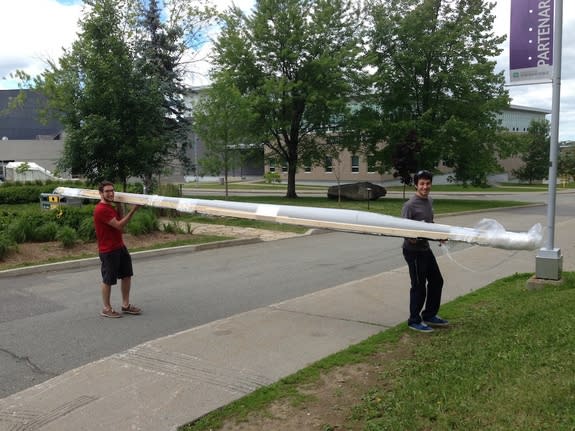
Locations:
(23, 121)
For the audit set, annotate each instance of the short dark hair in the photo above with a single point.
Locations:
(422, 175)
(104, 184)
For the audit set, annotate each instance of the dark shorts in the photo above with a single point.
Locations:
(116, 264)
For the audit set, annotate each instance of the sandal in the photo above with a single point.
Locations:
(110, 312)
(131, 309)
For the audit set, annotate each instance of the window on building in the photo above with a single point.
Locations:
(284, 168)
(328, 164)
(355, 164)
(272, 165)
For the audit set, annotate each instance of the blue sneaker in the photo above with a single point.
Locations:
(419, 327)
(436, 321)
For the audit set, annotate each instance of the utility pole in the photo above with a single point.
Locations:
(549, 261)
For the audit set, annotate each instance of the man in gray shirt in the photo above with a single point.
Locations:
(426, 278)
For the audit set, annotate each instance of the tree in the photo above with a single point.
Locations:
(103, 101)
(434, 74)
(23, 169)
(118, 91)
(160, 48)
(405, 159)
(536, 153)
(222, 119)
(566, 166)
(295, 63)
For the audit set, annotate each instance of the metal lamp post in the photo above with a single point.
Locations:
(549, 261)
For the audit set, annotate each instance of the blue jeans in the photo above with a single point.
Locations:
(426, 285)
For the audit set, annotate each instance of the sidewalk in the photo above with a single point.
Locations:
(167, 382)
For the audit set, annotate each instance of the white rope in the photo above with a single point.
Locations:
(445, 250)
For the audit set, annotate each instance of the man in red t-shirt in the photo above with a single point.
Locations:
(115, 258)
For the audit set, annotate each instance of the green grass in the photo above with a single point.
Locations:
(389, 206)
(506, 363)
(237, 222)
(261, 186)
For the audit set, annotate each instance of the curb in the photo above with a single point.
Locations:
(137, 255)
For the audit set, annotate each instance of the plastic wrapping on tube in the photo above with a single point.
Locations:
(487, 232)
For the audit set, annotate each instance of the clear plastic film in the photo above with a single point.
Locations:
(487, 232)
(491, 233)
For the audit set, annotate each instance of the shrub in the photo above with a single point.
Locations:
(67, 236)
(169, 190)
(21, 193)
(32, 225)
(135, 188)
(6, 246)
(72, 216)
(19, 230)
(86, 230)
(272, 177)
(172, 228)
(143, 222)
(44, 233)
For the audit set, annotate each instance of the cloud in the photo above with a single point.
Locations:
(34, 31)
(200, 75)
(541, 95)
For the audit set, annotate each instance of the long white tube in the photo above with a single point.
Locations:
(487, 233)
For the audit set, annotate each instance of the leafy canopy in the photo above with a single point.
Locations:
(295, 62)
(434, 74)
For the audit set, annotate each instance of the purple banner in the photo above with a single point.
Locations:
(531, 40)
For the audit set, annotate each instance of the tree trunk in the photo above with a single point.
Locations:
(292, 144)
(292, 169)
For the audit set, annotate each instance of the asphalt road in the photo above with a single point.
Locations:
(50, 323)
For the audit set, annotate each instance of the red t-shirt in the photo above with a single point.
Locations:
(109, 238)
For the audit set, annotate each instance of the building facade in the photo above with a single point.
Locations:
(349, 167)
(23, 137)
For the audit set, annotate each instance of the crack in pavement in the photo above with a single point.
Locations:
(26, 360)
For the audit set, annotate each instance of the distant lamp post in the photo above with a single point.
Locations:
(368, 196)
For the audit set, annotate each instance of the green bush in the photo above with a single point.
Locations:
(19, 230)
(135, 188)
(169, 190)
(72, 216)
(6, 217)
(23, 194)
(272, 177)
(172, 228)
(143, 222)
(6, 246)
(86, 230)
(33, 225)
(67, 236)
(28, 192)
(46, 232)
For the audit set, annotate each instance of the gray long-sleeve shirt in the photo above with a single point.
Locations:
(420, 209)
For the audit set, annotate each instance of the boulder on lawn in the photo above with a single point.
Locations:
(357, 191)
